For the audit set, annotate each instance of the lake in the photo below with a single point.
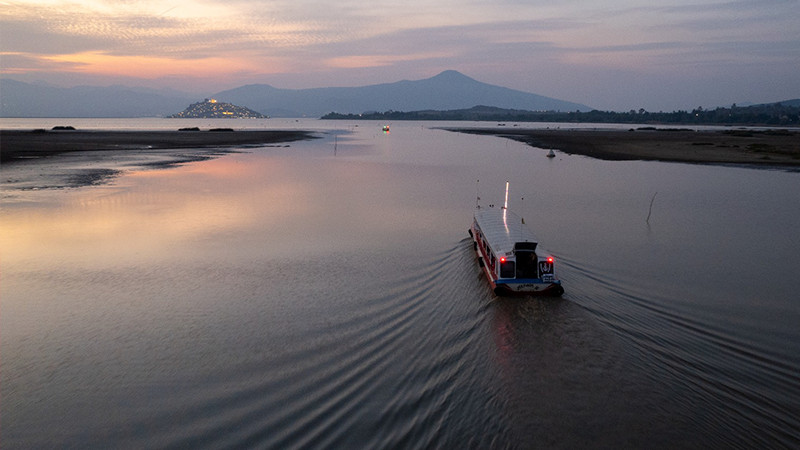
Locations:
(326, 294)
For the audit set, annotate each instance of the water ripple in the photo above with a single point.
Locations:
(741, 384)
(341, 384)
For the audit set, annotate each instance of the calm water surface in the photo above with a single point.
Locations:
(326, 295)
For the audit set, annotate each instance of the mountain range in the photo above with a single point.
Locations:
(447, 90)
(18, 99)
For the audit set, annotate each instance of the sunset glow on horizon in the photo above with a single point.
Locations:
(618, 55)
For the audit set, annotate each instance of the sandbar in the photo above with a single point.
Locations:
(17, 145)
(736, 146)
(41, 160)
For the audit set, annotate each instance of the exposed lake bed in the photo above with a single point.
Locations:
(39, 143)
(89, 157)
(72, 158)
(744, 146)
(326, 294)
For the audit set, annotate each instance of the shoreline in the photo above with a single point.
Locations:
(746, 147)
(46, 160)
(25, 145)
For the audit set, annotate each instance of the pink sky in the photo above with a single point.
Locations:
(620, 55)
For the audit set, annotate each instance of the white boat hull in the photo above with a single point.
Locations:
(545, 285)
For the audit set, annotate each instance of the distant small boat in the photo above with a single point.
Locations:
(507, 254)
(551, 154)
(386, 128)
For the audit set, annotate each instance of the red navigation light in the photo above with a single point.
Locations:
(502, 259)
(550, 259)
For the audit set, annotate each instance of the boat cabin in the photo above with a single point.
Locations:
(507, 252)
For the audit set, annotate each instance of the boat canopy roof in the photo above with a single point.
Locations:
(503, 229)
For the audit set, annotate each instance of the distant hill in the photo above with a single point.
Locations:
(448, 90)
(18, 99)
(476, 113)
(212, 109)
(781, 114)
(794, 103)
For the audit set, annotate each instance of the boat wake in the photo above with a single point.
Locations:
(694, 355)
(331, 377)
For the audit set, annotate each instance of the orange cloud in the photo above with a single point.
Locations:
(150, 66)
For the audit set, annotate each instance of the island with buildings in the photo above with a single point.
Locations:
(212, 109)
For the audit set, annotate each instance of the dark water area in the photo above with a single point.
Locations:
(326, 295)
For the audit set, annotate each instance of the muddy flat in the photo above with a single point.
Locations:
(27, 144)
(767, 147)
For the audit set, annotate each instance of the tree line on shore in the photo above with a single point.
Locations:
(781, 114)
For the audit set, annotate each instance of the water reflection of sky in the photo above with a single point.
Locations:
(190, 253)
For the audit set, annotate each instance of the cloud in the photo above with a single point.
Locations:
(254, 28)
(348, 42)
(14, 63)
(39, 29)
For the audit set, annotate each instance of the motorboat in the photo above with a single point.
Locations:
(507, 254)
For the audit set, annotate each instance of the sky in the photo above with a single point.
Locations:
(612, 55)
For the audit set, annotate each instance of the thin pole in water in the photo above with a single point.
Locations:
(477, 194)
(651, 207)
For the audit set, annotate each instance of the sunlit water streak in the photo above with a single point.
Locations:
(323, 297)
